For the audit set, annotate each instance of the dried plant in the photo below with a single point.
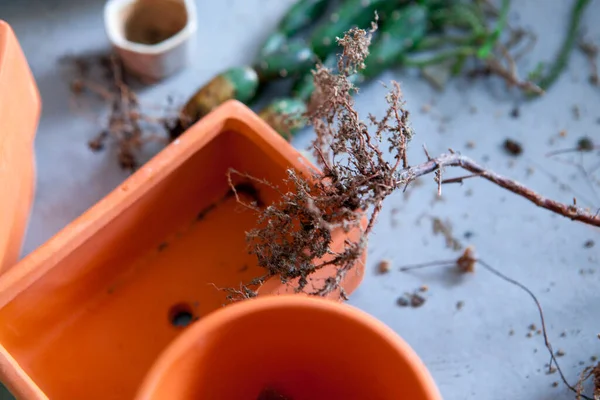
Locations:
(294, 236)
(354, 179)
(129, 125)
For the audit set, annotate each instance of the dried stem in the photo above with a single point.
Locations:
(468, 258)
(294, 237)
(456, 160)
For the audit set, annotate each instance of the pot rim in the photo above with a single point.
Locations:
(181, 346)
(111, 21)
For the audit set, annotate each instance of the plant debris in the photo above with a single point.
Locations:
(128, 125)
(402, 301)
(466, 262)
(585, 144)
(414, 299)
(294, 235)
(384, 266)
(298, 229)
(588, 372)
(512, 147)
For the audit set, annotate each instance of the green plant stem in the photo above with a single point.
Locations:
(438, 58)
(562, 58)
(486, 50)
(434, 42)
(461, 16)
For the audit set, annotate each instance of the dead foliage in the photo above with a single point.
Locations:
(128, 126)
(361, 163)
(592, 371)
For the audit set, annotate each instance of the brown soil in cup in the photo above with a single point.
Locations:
(153, 21)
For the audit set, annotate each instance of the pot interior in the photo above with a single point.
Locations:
(92, 325)
(288, 349)
(151, 22)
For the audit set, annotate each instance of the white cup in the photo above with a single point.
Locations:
(154, 38)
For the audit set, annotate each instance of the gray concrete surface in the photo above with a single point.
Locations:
(469, 351)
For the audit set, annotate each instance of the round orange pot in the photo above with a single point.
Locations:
(288, 347)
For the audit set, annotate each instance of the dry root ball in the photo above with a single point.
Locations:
(354, 180)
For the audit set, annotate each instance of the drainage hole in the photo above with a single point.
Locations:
(181, 315)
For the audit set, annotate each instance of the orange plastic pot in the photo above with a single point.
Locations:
(19, 115)
(86, 314)
(299, 347)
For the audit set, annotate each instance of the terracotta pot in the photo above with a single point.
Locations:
(19, 115)
(86, 314)
(301, 348)
(154, 38)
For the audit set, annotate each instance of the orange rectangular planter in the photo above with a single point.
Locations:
(86, 315)
(19, 115)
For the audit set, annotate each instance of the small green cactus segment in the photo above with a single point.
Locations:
(305, 86)
(400, 33)
(285, 115)
(274, 42)
(301, 15)
(240, 83)
(350, 13)
(291, 59)
(244, 81)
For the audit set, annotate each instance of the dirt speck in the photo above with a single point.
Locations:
(560, 353)
(466, 262)
(554, 384)
(532, 327)
(585, 144)
(512, 147)
(416, 300)
(402, 302)
(384, 267)
(589, 244)
(460, 305)
(511, 332)
(515, 112)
